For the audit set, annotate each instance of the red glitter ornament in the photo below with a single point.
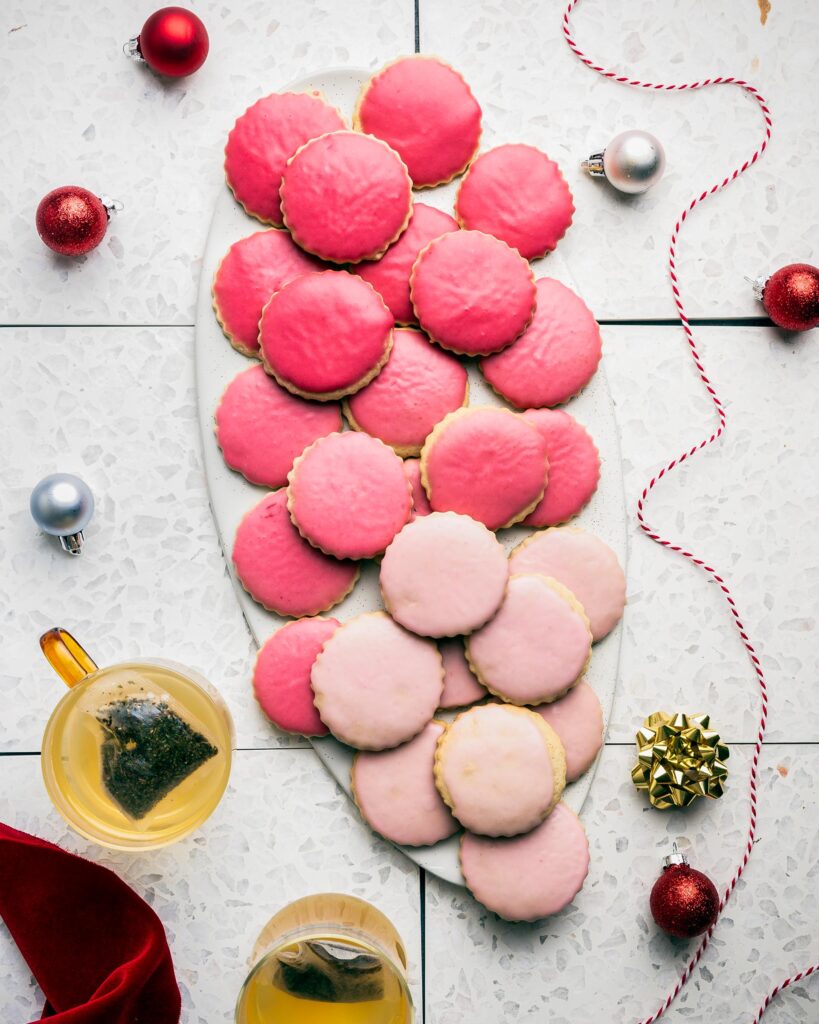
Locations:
(684, 902)
(173, 42)
(71, 220)
(791, 297)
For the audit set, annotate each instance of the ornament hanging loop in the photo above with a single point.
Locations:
(132, 51)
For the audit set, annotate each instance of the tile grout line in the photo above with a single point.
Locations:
(739, 321)
(422, 876)
(417, 26)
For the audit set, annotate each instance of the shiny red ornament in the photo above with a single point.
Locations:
(71, 220)
(791, 297)
(684, 902)
(173, 42)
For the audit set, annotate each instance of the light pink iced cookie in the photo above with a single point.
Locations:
(325, 335)
(444, 574)
(518, 194)
(574, 466)
(396, 795)
(577, 719)
(461, 687)
(251, 270)
(281, 678)
(584, 564)
(536, 647)
(417, 387)
(280, 570)
(420, 502)
(263, 140)
(472, 293)
(261, 428)
(348, 495)
(425, 110)
(346, 197)
(375, 684)
(486, 462)
(390, 275)
(531, 876)
(555, 358)
(499, 770)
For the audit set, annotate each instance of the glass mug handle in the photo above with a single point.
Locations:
(66, 657)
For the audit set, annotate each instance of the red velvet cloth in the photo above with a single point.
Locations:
(97, 950)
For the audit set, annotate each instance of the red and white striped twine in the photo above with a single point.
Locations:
(717, 433)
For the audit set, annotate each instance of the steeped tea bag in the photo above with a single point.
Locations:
(329, 972)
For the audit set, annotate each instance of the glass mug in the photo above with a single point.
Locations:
(327, 959)
(137, 755)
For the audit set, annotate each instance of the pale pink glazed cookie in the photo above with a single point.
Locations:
(461, 687)
(263, 140)
(517, 194)
(531, 876)
(499, 770)
(346, 197)
(556, 356)
(375, 684)
(396, 795)
(280, 570)
(574, 466)
(251, 270)
(325, 335)
(443, 575)
(577, 719)
(281, 677)
(472, 293)
(584, 564)
(425, 110)
(486, 462)
(536, 647)
(417, 387)
(420, 502)
(261, 428)
(390, 275)
(348, 495)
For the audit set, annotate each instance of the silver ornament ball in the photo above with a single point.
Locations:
(62, 505)
(632, 162)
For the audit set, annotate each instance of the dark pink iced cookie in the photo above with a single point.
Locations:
(574, 466)
(420, 502)
(261, 428)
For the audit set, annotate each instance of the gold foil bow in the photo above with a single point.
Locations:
(679, 759)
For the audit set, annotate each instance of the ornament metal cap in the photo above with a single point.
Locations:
(131, 49)
(62, 505)
(675, 857)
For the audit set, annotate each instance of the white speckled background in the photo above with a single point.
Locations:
(107, 390)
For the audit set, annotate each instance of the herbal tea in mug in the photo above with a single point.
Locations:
(137, 755)
(327, 959)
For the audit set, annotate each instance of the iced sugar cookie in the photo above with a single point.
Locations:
(536, 647)
(346, 197)
(532, 876)
(555, 358)
(261, 428)
(420, 502)
(574, 466)
(396, 795)
(390, 275)
(281, 677)
(444, 574)
(499, 770)
(325, 335)
(348, 495)
(517, 194)
(461, 687)
(417, 387)
(280, 570)
(584, 564)
(425, 110)
(251, 270)
(472, 293)
(376, 685)
(486, 462)
(577, 719)
(263, 140)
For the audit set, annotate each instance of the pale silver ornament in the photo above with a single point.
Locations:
(62, 506)
(632, 162)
